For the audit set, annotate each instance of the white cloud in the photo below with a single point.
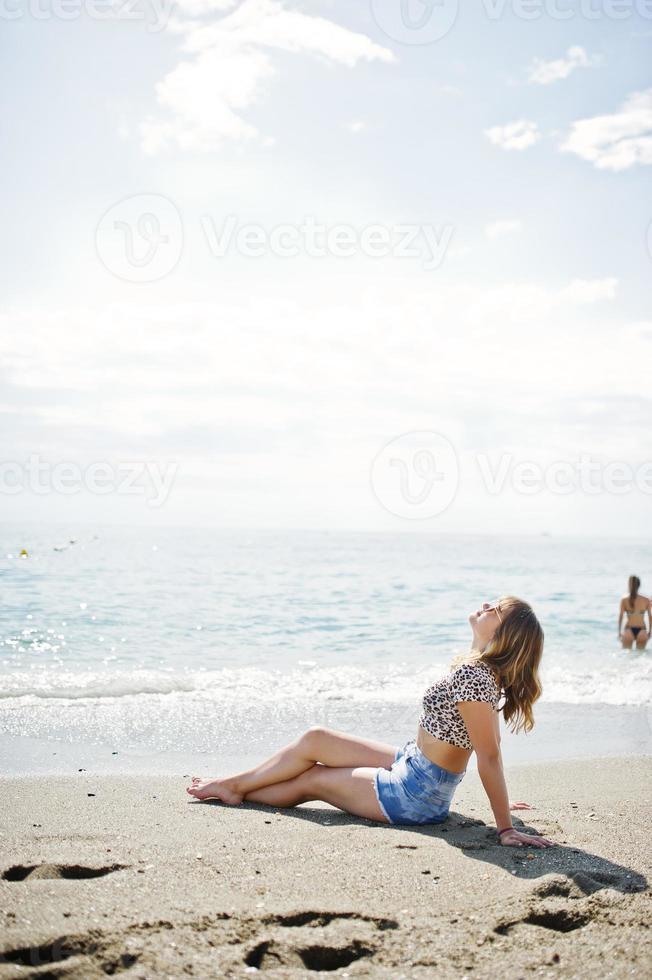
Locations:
(229, 387)
(268, 23)
(205, 98)
(356, 126)
(526, 302)
(496, 229)
(642, 330)
(546, 72)
(454, 90)
(514, 136)
(616, 142)
(212, 352)
(590, 290)
(230, 68)
(196, 8)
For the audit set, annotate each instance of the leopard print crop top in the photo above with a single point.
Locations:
(468, 682)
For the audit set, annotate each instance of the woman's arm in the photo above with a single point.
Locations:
(620, 617)
(520, 805)
(478, 716)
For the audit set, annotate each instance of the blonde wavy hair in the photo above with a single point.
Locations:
(514, 654)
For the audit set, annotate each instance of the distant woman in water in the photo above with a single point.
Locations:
(635, 606)
(415, 783)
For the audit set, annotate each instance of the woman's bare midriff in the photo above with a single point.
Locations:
(443, 754)
(635, 619)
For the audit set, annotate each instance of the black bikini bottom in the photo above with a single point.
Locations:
(635, 630)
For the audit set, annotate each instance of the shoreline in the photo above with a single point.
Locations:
(614, 731)
(139, 878)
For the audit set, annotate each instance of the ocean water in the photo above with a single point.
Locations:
(134, 647)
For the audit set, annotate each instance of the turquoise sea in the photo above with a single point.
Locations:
(124, 648)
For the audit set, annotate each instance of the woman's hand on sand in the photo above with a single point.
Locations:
(514, 838)
(520, 806)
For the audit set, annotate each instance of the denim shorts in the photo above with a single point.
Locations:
(415, 790)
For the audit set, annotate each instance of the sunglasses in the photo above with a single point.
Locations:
(496, 609)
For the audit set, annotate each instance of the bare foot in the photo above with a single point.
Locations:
(214, 789)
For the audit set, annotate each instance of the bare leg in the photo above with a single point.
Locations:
(349, 788)
(289, 793)
(331, 748)
(641, 640)
(627, 639)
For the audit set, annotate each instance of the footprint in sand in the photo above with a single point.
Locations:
(64, 948)
(23, 872)
(322, 940)
(565, 903)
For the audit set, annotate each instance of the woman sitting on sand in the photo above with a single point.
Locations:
(634, 606)
(415, 784)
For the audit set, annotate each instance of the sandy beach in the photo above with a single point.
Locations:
(126, 874)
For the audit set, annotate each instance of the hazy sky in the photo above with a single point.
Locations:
(332, 264)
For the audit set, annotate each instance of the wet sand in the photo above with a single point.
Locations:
(127, 874)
